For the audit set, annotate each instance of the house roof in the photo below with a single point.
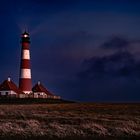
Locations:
(10, 85)
(40, 88)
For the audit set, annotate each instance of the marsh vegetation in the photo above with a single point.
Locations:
(70, 121)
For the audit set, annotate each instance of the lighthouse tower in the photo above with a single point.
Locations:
(25, 82)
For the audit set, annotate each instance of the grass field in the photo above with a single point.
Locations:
(70, 121)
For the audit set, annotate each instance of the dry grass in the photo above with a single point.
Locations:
(69, 121)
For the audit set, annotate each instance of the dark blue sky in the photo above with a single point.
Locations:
(86, 50)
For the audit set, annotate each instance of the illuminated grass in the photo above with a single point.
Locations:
(69, 121)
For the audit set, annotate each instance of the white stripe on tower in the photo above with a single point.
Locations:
(25, 82)
(26, 54)
(25, 73)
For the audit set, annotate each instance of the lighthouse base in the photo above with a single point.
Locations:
(27, 92)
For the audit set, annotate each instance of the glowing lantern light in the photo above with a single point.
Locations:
(25, 35)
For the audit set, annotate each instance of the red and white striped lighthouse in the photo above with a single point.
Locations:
(25, 81)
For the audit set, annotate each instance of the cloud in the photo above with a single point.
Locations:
(120, 64)
(111, 77)
(116, 42)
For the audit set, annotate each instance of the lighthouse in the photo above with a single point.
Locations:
(25, 81)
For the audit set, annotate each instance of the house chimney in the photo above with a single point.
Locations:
(9, 79)
(38, 82)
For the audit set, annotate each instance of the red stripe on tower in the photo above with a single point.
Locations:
(25, 81)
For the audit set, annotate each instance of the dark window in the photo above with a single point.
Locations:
(6, 93)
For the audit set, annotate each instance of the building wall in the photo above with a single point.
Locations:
(44, 95)
(40, 95)
(56, 97)
(13, 94)
(21, 96)
(8, 93)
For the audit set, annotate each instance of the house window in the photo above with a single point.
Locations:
(6, 93)
(0, 93)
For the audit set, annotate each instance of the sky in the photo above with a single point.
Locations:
(82, 50)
